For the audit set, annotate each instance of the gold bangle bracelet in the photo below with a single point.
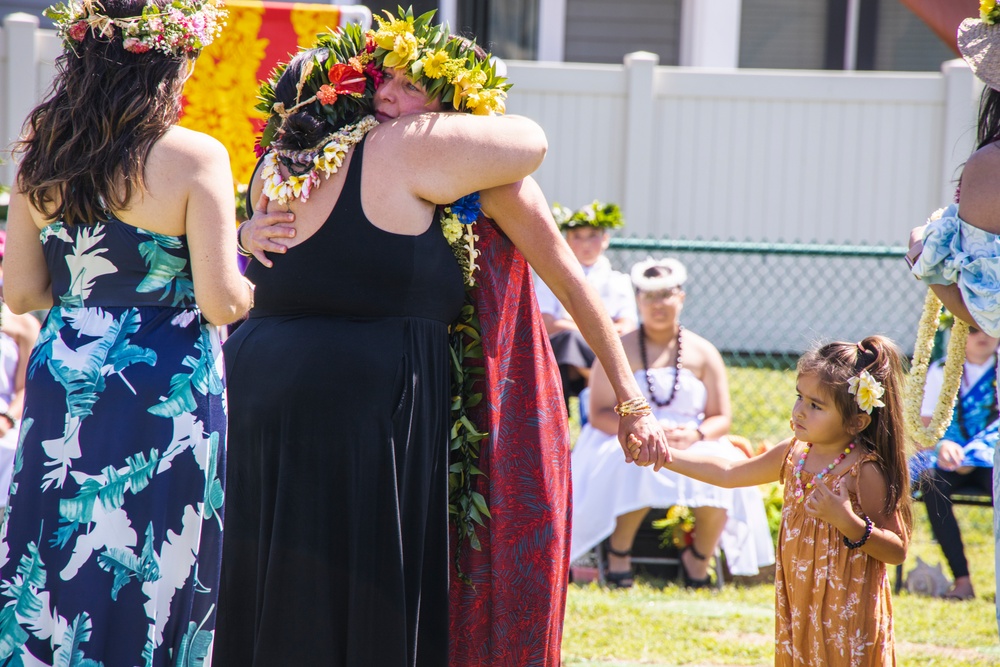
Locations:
(633, 406)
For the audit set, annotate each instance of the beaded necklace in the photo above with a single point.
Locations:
(326, 161)
(645, 368)
(800, 490)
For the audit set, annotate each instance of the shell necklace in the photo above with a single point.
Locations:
(800, 490)
(645, 367)
(327, 161)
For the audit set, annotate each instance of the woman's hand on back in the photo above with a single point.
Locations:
(263, 232)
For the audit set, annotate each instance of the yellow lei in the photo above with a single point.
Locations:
(928, 436)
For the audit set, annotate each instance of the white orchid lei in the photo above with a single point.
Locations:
(928, 436)
(327, 162)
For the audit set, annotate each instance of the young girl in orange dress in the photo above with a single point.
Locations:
(846, 512)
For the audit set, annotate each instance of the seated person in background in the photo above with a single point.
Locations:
(684, 380)
(963, 458)
(587, 232)
(17, 336)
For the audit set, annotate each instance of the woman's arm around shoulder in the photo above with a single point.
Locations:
(729, 474)
(27, 283)
(442, 157)
(222, 293)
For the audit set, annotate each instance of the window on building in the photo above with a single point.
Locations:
(817, 35)
(506, 28)
(598, 31)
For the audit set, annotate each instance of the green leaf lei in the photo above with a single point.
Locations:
(466, 507)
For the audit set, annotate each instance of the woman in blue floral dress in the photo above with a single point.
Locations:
(122, 224)
(958, 253)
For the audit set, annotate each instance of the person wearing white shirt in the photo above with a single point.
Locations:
(587, 233)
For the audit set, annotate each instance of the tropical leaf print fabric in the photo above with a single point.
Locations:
(111, 550)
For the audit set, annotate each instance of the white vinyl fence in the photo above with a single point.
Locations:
(765, 156)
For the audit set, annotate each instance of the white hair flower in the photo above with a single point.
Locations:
(867, 390)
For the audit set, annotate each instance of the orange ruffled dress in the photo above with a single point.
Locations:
(832, 603)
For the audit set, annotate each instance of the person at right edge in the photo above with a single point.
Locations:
(958, 254)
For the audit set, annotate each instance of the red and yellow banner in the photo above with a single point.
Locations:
(219, 97)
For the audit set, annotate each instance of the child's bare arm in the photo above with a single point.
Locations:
(760, 469)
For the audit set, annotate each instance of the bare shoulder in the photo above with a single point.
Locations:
(700, 348)
(187, 151)
(980, 198)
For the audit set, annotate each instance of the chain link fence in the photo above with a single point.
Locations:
(763, 304)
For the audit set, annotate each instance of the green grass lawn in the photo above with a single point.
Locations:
(657, 623)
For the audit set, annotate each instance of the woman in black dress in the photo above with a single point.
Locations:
(336, 547)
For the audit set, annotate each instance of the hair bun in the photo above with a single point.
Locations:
(301, 130)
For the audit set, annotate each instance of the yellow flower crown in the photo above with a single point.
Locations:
(446, 66)
(988, 11)
(181, 28)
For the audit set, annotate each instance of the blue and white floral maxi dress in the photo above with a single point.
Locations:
(112, 547)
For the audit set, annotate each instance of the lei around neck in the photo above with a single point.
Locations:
(446, 66)
(181, 28)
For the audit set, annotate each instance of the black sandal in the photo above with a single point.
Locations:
(689, 581)
(625, 579)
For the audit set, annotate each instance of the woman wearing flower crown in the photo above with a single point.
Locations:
(846, 512)
(958, 252)
(525, 480)
(122, 224)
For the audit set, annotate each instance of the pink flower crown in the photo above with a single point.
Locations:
(181, 28)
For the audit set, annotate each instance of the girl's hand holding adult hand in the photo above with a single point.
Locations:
(643, 441)
(258, 234)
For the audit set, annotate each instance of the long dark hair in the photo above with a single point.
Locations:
(86, 145)
(988, 131)
(834, 365)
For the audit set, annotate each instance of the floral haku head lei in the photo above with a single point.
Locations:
(338, 89)
(181, 28)
(446, 66)
(988, 11)
(595, 214)
(867, 391)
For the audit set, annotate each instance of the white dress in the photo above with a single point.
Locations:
(605, 487)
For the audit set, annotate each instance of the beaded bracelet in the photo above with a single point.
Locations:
(633, 406)
(9, 419)
(864, 538)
